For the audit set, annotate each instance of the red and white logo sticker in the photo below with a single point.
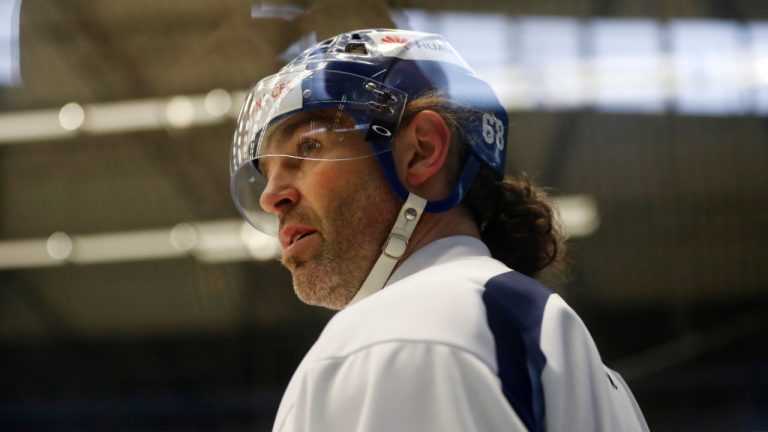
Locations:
(394, 40)
(412, 45)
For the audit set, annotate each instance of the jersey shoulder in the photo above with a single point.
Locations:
(441, 304)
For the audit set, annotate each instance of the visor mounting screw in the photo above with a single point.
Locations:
(410, 213)
(370, 86)
(306, 93)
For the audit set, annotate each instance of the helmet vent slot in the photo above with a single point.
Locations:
(356, 48)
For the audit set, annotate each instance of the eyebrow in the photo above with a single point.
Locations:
(286, 131)
(291, 125)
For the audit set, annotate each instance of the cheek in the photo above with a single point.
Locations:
(329, 177)
(327, 184)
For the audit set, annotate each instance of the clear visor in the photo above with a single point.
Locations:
(293, 121)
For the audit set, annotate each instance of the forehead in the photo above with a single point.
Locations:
(329, 119)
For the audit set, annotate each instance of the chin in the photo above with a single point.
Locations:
(328, 292)
(313, 299)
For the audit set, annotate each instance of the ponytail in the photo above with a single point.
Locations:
(516, 221)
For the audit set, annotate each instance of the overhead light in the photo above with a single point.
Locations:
(220, 241)
(71, 116)
(578, 214)
(260, 246)
(9, 42)
(268, 10)
(123, 246)
(59, 246)
(184, 237)
(218, 102)
(762, 71)
(26, 126)
(210, 241)
(124, 116)
(180, 112)
(29, 253)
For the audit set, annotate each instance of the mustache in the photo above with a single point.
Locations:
(301, 216)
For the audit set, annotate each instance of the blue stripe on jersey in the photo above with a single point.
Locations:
(515, 308)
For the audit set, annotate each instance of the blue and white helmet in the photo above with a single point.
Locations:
(358, 83)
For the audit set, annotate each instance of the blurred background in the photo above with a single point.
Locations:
(132, 297)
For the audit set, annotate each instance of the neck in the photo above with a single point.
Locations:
(431, 227)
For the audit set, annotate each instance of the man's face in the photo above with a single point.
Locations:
(334, 214)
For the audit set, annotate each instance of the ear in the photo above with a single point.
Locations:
(423, 148)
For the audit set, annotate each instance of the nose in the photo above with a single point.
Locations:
(280, 193)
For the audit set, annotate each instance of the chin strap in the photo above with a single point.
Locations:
(394, 248)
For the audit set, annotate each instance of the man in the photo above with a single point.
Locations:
(377, 157)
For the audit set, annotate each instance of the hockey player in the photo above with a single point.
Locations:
(377, 158)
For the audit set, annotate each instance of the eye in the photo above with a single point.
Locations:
(307, 147)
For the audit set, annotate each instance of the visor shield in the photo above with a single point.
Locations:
(292, 121)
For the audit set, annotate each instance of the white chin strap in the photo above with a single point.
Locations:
(394, 248)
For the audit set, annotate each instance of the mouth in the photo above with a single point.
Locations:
(292, 235)
(300, 236)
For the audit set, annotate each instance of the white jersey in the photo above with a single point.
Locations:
(457, 342)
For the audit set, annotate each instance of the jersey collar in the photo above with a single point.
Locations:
(439, 252)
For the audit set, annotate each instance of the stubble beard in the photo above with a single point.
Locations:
(352, 235)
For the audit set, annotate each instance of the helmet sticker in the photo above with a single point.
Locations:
(380, 129)
(493, 130)
(283, 89)
(417, 46)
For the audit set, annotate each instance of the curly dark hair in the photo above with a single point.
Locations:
(516, 219)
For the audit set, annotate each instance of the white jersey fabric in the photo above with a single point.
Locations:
(457, 342)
